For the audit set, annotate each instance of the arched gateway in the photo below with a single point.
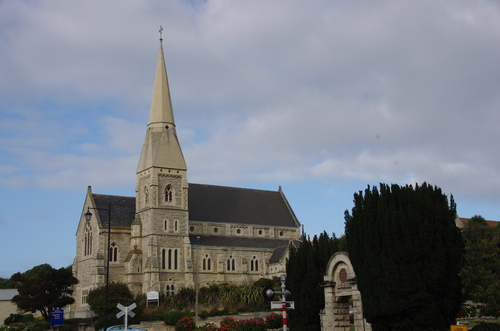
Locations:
(341, 292)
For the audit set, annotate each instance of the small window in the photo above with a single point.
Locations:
(169, 194)
(216, 230)
(191, 228)
(230, 263)
(207, 263)
(146, 195)
(88, 241)
(281, 233)
(238, 231)
(254, 264)
(260, 232)
(113, 253)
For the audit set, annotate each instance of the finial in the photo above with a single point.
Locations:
(161, 29)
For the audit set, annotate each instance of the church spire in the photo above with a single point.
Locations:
(161, 147)
(161, 103)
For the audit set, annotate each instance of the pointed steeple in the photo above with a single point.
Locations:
(161, 147)
(161, 104)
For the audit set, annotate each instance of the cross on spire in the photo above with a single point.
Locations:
(161, 29)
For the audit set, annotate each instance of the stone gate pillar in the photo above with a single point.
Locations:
(342, 298)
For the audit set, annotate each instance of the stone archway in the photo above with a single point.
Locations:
(341, 291)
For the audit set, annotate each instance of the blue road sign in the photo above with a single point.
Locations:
(57, 316)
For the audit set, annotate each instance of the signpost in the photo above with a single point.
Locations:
(283, 304)
(125, 311)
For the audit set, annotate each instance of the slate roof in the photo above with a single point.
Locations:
(8, 294)
(237, 241)
(122, 209)
(211, 203)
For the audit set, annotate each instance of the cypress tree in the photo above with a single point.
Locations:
(406, 252)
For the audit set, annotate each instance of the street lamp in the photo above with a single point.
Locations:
(88, 217)
(196, 281)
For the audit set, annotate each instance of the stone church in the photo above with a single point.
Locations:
(173, 232)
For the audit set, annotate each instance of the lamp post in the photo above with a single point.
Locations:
(196, 281)
(88, 217)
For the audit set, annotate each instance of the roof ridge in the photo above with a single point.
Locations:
(113, 195)
(235, 188)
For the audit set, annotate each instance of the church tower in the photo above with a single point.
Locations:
(160, 230)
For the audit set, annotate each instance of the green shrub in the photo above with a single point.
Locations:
(204, 314)
(185, 324)
(274, 321)
(486, 327)
(487, 310)
(467, 311)
(253, 324)
(32, 325)
(13, 318)
(207, 327)
(174, 316)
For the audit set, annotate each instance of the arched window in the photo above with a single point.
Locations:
(254, 264)
(169, 193)
(163, 259)
(175, 259)
(88, 241)
(169, 259)
(230, 263)
(146, 195)
(113, 253)
(169, 290)
(207, 263)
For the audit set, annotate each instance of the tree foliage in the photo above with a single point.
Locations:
(481, 271)
(305, 270)
(44, 288)
(117, 293)
(8, 284)
(407, 253)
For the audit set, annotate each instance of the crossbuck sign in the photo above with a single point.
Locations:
(125, 311)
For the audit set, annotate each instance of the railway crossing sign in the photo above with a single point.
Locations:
(125, 312)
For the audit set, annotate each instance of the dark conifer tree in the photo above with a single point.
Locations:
(407, 253)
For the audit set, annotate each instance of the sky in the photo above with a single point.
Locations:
(320, 97)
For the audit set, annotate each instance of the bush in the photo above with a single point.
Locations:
(13, 318)
(207, 327)
(204, 314)
(253, 324)
(228, 324)
(185, 324)
(487, 310)
(31, 326)
(174, 316)
(274, 321)
(467, 311)
(486, 327)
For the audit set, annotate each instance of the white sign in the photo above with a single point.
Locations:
(279, 305)
(153, 296)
